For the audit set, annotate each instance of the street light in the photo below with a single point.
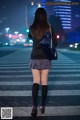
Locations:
(32, 3)
(39, 5)
(27, 30)
(7, 29)
(16, 32)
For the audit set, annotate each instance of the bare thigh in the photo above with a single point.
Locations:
(44, 76)
(36, 76)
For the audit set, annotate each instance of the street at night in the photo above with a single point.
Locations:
(63, 101)
(27, 27)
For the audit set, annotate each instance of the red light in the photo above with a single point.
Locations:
(58, 36)
(25, 44)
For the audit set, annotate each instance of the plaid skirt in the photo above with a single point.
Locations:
(40, 64)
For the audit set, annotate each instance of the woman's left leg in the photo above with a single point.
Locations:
(44, 80)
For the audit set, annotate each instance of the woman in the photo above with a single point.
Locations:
(39, 62)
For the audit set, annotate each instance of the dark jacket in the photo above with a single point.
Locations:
(37, 51)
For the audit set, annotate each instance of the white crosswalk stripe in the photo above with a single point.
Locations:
(64, 67)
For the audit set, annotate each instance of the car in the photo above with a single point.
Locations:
(74, 46)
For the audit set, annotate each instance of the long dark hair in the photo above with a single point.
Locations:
(40, 23)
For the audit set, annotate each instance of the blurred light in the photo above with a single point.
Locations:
(39, 5)
(20, 35)
(7, 29)
(58, 36)
(30, 41)
(30, 44)
(18, 40)
(23, 40)
(32, 3)
(76, 44)
(25, 44)
(6, 43)
(27, 30)
(70, 45)
(16, 32)
(10, 35)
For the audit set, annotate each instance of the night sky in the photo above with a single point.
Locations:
(14, 11)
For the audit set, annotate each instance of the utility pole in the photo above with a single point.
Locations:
(26, 13)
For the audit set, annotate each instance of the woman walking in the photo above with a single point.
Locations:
(39, 63)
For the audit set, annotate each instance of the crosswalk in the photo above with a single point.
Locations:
(64, 88)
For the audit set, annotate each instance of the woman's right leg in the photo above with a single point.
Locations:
(35, 89)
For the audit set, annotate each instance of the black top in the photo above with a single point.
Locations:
(37, 51)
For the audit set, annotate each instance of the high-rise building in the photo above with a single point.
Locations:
(75, 15)
(67, 10)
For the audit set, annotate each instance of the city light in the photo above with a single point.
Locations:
(27, 30)
(58, 36)
(32, 3)
(71, 45)
(30, 41)
(39, 5)
(10, 35)
(16, 32)
(7, 29)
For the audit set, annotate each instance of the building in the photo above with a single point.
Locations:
(67, 10)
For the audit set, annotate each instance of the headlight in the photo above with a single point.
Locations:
(71, 45)
(76, 44)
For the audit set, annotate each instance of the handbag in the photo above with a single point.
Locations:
(48, 47)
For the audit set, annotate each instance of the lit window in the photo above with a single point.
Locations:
(63, 9)
(63, 12)
(66, 24)
(65, 18)
(66, 27)
(66, 21)
(65, 15)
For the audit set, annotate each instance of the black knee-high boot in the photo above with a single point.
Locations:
(44, 93)
(35, 89)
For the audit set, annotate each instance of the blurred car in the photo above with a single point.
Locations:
(75, 46)
(29, 43)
